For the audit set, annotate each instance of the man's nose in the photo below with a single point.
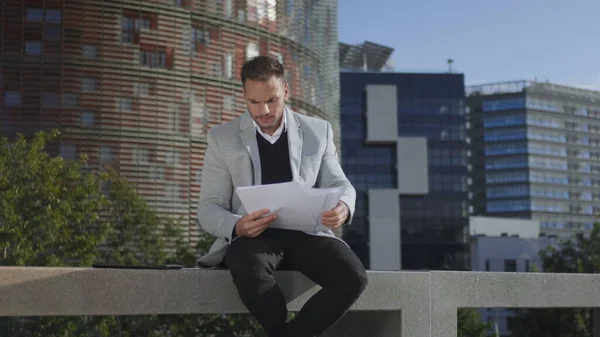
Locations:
(265, 109)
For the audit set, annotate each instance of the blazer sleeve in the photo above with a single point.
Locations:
(214, 210)
(332, 175)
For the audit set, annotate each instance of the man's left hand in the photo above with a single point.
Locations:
(335, 217)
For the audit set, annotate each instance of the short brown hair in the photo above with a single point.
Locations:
(261, 68)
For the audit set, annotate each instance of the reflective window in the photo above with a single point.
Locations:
(504, 104)
(153, 58)
(500, 135)
(507, 206)
(506, 177)
(67, 151)
(504, 149)
(50, 100)
(88, 84)
(12, 98)
(125, 104)
(70, 100)
(508, 191)
(34, 14)
(505, 163)
(53, 33)
(199, 37)
(53, 16)
(499, 121)
(89, 51)
(33, 48)
(87, 118)
(106, 153)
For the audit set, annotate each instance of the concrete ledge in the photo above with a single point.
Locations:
(409, 304)
(453, 290)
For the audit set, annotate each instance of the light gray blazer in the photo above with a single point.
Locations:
(232, 160)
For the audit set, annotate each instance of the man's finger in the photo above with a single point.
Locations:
(257, 214)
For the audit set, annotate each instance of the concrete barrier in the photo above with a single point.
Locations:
(408, 304)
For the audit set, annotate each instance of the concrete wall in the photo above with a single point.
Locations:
(413, 175)
(384, 230)
(407, 304)
(492, 226)
(382, 107)
(495, 254)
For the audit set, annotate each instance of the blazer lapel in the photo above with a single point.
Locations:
(294, 143)
(248, 134)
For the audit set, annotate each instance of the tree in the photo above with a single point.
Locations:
(580, 254)
(54, 214)
(470, 325)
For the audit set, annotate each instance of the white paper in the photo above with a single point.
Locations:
(298, 207)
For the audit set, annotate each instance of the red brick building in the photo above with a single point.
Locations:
(137, 84)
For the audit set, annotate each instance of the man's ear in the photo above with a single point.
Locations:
(286, 90)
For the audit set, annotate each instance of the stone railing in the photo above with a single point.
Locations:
(408, 304)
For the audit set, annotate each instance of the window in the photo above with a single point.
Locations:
(199, 37)
(140, 156)
(50, 100)
(142, 89)
(527, 266)
(277, 56)
(89, 52)
(87, 118)
(510, 265)
(12, 98)
(228, 103)
(53, 33)
(504, 104)
(53, 16)
(509, 323)
(153, 59)
(67, 151)
(228, 60)
(70, 100)
(228, 10)
(125, 104)
(106, 153)
(33, 48)
(34, 14)
(487, 265)
(88, 84)
(252, 50)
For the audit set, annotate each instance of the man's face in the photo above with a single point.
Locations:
(266, 102)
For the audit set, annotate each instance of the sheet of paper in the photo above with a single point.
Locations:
(298, 207)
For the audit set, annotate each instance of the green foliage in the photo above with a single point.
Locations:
(578, 255)
(52, 213)
(470, 325)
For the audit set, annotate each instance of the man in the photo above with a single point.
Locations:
(272, 144)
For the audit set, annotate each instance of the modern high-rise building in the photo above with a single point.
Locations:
(404, 149)
(536, 154)
(136, 84)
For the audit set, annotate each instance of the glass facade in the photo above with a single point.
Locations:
(434, 227)
(536, 154)
(137, 84)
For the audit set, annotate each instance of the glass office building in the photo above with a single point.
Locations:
(434, 226)
(136, 84)
(536, 154)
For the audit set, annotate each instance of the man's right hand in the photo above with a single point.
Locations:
(253, 224)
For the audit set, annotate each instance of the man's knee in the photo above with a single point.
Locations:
(357, 283)
(249, 268)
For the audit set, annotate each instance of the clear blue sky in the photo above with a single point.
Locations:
(489, 40)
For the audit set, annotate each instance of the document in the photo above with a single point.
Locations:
(297, 206)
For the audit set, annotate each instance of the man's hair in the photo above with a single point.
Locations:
(261, 68)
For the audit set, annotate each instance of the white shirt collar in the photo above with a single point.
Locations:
(273, 138)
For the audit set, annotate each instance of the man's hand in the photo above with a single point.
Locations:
(253, 224)
(337, 216)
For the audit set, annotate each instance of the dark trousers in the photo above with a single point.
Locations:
(326, 261)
